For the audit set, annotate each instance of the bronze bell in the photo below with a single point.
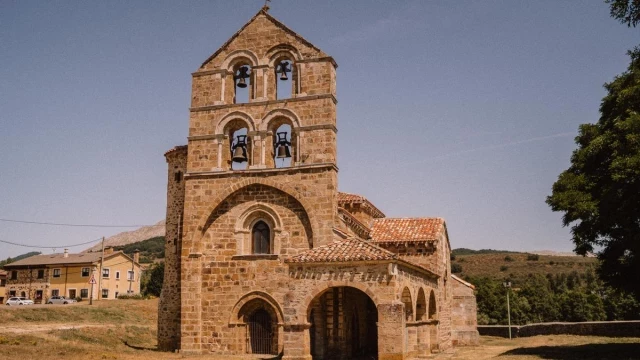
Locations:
(283, 69)
(282, 146)
(243, 74)
(283, 152)
(239, 154)
(239, 150)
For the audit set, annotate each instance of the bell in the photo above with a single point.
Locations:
(239, 154)
(283, 152)
(283, 70)
(239, 150)
(243, 73)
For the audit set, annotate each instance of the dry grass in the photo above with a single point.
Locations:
(490, 265)
(557, 347)
(126, 330)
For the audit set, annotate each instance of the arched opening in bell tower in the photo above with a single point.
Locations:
(243, 83)
(284, 78)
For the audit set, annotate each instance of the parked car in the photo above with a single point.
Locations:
(19, 301)
(60, 300)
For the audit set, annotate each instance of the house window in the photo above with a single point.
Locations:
(14, 275)
(105, 273)
(12, 293)
(41, 274)
(117, 275)
(3, 282)
(85, 272)
(23, 294)
(84, 293)
(105, 293)
(130, 275)
(56, 272)
(261, 238)
(55, 292)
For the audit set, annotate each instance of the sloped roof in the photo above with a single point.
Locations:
(462, 281)
(407, 229)
(347, 198)
(351, 249)
(52, 259)
(354, 224)
(3, 273)
(55, 259)
(264, 12)
(176, 148)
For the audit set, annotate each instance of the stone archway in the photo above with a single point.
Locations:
(261, 333)
(343, 325)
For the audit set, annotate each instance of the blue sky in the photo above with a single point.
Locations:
(464, 110)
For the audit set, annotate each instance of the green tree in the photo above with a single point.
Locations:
(600, 192)
(625, 11)
(152, 282)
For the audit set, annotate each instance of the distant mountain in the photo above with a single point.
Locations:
(130, 237)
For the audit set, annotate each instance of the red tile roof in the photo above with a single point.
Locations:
(347, 198)
(406, 229)
(351, 249)
(176, 148)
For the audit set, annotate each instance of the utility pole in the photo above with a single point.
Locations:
(92, 282)
(100, 275)
(507, 285)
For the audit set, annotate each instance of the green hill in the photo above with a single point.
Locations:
(9, 260)
(151, 250)
(499, 265)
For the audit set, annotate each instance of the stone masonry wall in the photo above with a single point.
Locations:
(27, 281)
(169, 303)
(464, 321)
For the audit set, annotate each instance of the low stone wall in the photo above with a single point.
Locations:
(593, 328)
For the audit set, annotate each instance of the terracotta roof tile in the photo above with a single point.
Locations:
(347, 198)
(176, 148)
(406, 229)
(52, 259)
(344, 251)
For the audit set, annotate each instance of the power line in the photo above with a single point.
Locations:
(49, 247)
(74, 225)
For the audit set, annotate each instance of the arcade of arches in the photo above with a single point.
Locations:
(264, 257)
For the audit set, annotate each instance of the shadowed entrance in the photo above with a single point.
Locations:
(343, 325)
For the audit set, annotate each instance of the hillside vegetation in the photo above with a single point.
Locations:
(9, 260)
(544, 288)
(496, 264)
(151, 250)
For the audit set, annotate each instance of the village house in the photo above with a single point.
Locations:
(264, 256)
(3, 282)
(40, 277)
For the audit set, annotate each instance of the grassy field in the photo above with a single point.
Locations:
(126, 329)
(516, 265)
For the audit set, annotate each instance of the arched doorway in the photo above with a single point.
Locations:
(343, 325)
(261, 327)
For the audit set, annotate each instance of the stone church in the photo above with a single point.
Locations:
(265, 258)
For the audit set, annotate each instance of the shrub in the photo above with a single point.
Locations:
(551, 263)
(533, 257)
(133, 297)
(504, 268)
(456, 268)
(453, 257)
(461, 260)
(508, 258)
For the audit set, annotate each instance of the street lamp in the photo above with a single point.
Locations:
(507, 285)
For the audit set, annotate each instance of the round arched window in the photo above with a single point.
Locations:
(261, 238)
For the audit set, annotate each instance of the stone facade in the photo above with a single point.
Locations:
(273, 260)
(464, 312)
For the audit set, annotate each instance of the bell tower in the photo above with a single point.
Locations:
(262, 136)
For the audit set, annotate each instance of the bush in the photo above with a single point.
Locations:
(508, 258)
(504, 268)
(453, 257)
(456, 268)
(533, 257)
(133, 297)
(551, 263)
(461, 260)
